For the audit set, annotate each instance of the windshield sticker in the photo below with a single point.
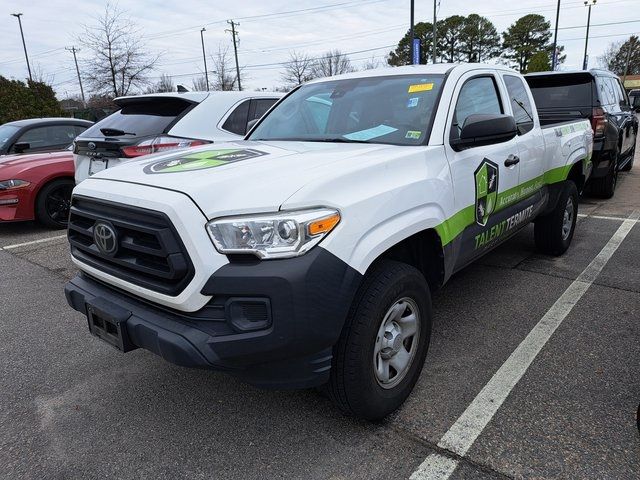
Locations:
(413, 134)
(420, 87)
(202, 160)
(413, 102)
(370, 133)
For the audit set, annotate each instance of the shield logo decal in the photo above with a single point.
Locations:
(486, 179)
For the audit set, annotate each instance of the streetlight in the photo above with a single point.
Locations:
(24, 45)
(587, 3)
(204, 57)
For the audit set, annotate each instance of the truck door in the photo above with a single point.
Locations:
(482, 175)
(530, 137)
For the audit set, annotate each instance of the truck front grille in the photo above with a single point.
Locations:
(148, 251)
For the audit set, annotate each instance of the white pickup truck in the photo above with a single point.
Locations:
(305, 255)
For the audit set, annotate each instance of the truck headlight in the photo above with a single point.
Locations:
(276, 235)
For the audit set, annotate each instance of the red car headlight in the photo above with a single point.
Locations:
(13, 184)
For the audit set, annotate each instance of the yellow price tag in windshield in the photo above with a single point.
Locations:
(420, 87)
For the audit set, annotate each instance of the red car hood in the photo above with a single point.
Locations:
(34, 159)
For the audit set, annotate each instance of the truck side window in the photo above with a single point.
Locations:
(477, 95)
(520, 104)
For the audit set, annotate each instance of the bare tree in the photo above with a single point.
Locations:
(298, 69)
(165, 84)
(199, 84)
(333, 62)
(120, 60)
(371, 64)
(224, 76)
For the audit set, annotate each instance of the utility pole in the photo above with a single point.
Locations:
(434, 31)
(235, 48)
(74, 50)
(204, 57)
(24, 45)
(411, 33)
(554, 55)
(587, 3)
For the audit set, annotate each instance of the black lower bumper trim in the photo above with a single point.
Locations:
(306, 304)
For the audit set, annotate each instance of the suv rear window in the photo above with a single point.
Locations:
(143, 117)
(561, 91)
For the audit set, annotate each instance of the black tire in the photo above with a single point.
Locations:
(53, 203)
(550, 236)
(353, 385)
(605, 187)
(629, 164)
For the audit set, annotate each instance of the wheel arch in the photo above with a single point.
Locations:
(422, 250)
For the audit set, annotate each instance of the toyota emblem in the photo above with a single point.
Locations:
(91, 146)
(105, 238)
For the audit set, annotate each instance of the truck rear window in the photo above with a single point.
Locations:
(143, 117)
(562, 91)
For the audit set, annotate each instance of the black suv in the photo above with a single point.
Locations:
(634, 99)
(598, 96)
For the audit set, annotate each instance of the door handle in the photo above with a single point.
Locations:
(511, 160)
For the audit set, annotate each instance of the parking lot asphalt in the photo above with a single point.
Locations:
(73, 407)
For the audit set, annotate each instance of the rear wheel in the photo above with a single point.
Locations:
(382, 348)
(605, 187)
(53, 203)
(554, 231)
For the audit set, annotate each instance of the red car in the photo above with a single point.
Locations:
(36, 186)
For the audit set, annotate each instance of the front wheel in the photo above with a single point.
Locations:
(553, 232)
(53, 203)
(383, 344)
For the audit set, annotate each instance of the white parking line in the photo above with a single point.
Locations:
(33, 242)
(464, 432)
(604, 217)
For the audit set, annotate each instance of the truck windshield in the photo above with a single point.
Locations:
(396, 110)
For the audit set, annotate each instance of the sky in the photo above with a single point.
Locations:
(269, 31)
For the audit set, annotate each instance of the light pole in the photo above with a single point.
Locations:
(434, 35)
(587, 3)
(204, 57)
(554, 57)
(24, 45)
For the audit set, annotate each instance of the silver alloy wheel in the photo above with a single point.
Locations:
(396, 343)
(567, 222)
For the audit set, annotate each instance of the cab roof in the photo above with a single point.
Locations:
(432, 69)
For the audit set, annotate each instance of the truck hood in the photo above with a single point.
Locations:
(246, 176)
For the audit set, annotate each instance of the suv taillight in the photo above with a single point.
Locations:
(598, 121)
(160, 144)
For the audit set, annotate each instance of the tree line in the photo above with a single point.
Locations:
(525, 45)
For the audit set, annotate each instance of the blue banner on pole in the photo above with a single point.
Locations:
(416, 51)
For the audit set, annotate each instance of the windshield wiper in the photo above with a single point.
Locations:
(114, 132)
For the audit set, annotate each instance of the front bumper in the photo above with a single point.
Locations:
(307, 300)
(16, 204)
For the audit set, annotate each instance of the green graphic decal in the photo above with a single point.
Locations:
(486, 177)
(455, 225)
(202, 160)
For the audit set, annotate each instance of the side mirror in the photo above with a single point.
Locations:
(485, 129)
(21, 147)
